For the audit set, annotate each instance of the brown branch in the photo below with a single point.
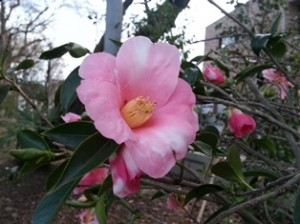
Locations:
(28, 100)
(277, 192)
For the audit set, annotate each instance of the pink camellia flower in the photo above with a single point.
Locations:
(71, 117)
(241, 124)
(278, 79)
(138, 100)
(213, 74)
(96, 176)
(173, 203)
(88, 217)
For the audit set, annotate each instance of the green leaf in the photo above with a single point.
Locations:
(100, 210)
(115, 42)
(234, 160)
(224, 170)
(68, 90)
(4, 89)
(31, 139)
(261, 173)
(267, 144)
(31, 154)
(158, 194)
(76, 50)
(91, 153)
(201, 58)
(79, 204)
(191, 75)
(71, 134)
(279, 49)
(199, 192)
(107, 185)
(251, 72)
(55, 175)
(297, 208)
(208, 138)
(30, 166)
(258, 42)
(212, 129)
(203, 147)
(51, 203)
(275, 24)
(25, 64)
(55, 52)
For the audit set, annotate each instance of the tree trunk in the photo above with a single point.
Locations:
(114, 16)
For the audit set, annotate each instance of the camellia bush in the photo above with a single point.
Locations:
(122, 122)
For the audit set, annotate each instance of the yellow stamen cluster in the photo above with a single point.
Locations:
(138, 111)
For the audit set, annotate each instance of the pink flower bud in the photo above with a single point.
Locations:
(88, 217)
(173, 203)
(70, 117)
(241, 124)
(213, 74)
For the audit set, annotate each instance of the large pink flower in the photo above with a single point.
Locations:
(278, 79)
(96, 176)
(137, 99)
(241, 124)
(213, 74)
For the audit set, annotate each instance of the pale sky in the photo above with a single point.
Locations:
(70, 26)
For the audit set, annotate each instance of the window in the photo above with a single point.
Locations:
(226, 41)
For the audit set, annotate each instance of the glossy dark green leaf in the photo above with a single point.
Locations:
(106, 185)
(211, 217)
(200, 146)
(261, 173)
(115, 42)
(71, 134)
(297, 208)
(30, 166)
(79, 204)
(4, 89)
(52, 202)
(55, 52)
(68, 90)
(31, 154)
(91, 153)
(100, 210)
(199, 192)
(275, 24)
(201, 58)
(279, 49)
(249, 72)
(258, 42)
(212, 129)
(191, 72)
(267, 144)
(234, 160)
(209, 138)
(31, 139)
(158, 194)
(54, 176)
(76, 50)
(25, 64)
(224, 170)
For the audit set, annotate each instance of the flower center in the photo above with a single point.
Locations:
(138, 111)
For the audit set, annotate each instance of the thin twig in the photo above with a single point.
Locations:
(28, 100)
(277, 192)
